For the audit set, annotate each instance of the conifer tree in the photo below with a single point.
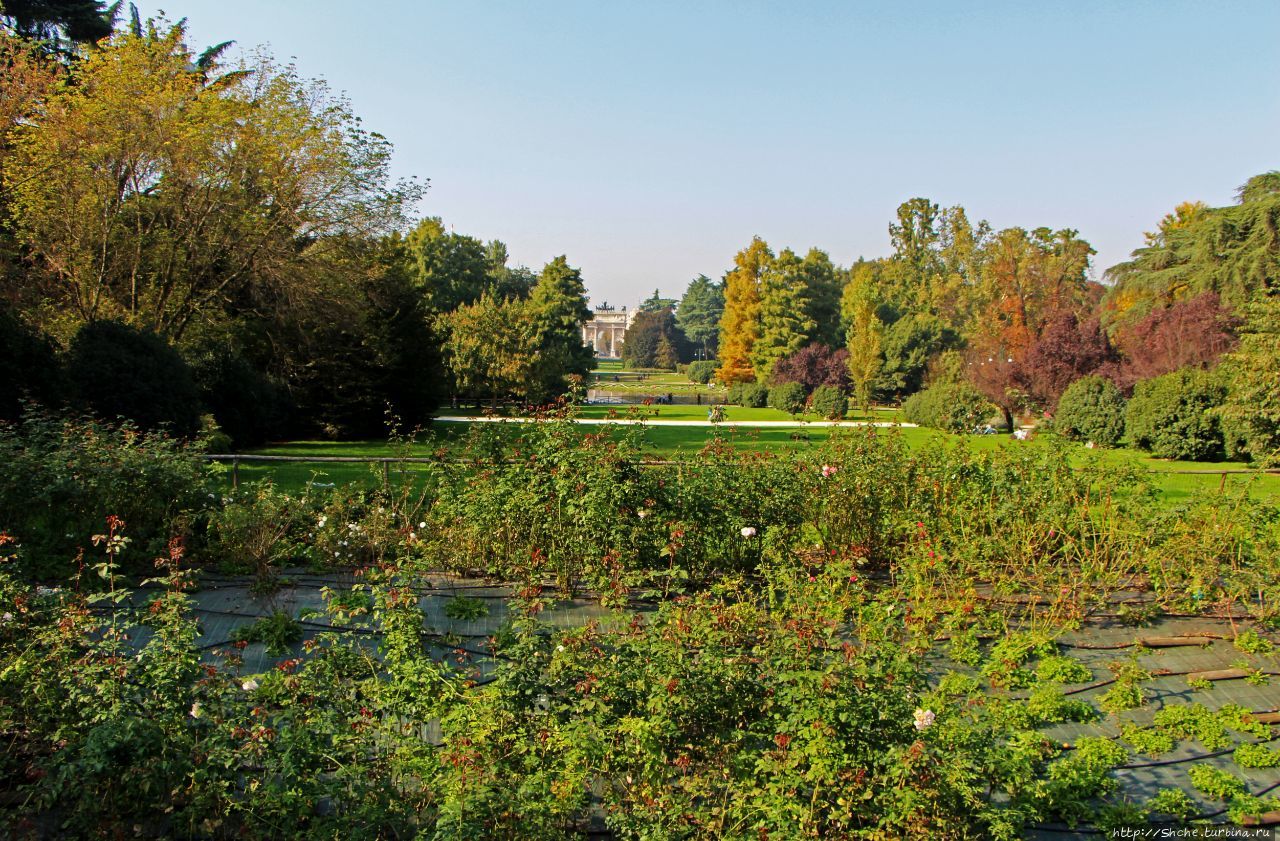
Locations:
(785, 325)
(740, 324)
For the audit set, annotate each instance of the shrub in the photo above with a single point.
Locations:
(751, 395)
(1174, 416)
(117, 371)
(61, 479)
(701, 371)
(29, 368)
(248, 406)
(829, 402)
(787, 397)
(1091, 409)
(954, 407)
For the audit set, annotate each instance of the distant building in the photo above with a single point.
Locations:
(606, 329)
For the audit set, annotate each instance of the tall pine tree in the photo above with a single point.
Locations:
(785, 324)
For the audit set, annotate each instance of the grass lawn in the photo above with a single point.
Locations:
(664, 442)
(679, 411)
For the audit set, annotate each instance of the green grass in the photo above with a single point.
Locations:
(680, 411)
(665, 442)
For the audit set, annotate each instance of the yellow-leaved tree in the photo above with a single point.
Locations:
(740, 323)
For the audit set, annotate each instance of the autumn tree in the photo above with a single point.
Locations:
(1067, 349)
(154, 191)
(1232, 251)
(1191, 332)
(740, 322)
(814, 365)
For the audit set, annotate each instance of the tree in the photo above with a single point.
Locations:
(491, 348)
(785, 325)
(1232, 251)
(740, 323)
(652, 340)
(656, 302)
(57, 21)
(1191, 332)
(1253, 373)
(148, 192)
(698, 315)
(117, 371)
(812, 366)
(864, 340)
(557, 311)
(822, 282)
(450, 269)
(1066, 350)
(906, 348)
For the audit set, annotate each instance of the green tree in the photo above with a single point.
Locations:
(740, 323)
(822, 285)
(1233, 251)
(698, 315)
(57, 22)
(785, 325)
(1253, 373)
(656, 302)
(450, 269)
(491, 348)
(557, 310)
(865, 335)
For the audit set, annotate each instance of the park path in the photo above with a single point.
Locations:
(763, 424)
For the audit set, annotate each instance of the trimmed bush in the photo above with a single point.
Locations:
(1175, 415)
(749, 395)
(787, 397)
(117, 371)
(953, 407)
(828, 402)
(1091, 409)
(701, 371)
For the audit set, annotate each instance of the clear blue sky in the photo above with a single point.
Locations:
(649, 141)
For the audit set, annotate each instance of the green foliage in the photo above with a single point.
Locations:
(29, 367)
(1175, 416)
(61, 479)
(787, 397)
(702, 371)
(1251, 642)
(1229, 250)
(1256, 756)
(953, 407)
(1251, 415)
(277, 632)
(1216, 783)
(749, 395)
(466, 608)
(1091, 409)
(828, 402)
(118, 372)
(698, 315)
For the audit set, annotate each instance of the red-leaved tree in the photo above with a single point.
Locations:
(1192, 332)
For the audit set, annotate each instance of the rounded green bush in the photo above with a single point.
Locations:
(953, 407)
(1174, 415)
(701, 371)
(1091, 409)
(753, 396)
(787, 397)
(117, 371)
(829, 402)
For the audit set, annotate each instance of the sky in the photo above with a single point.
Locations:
(649, 141)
